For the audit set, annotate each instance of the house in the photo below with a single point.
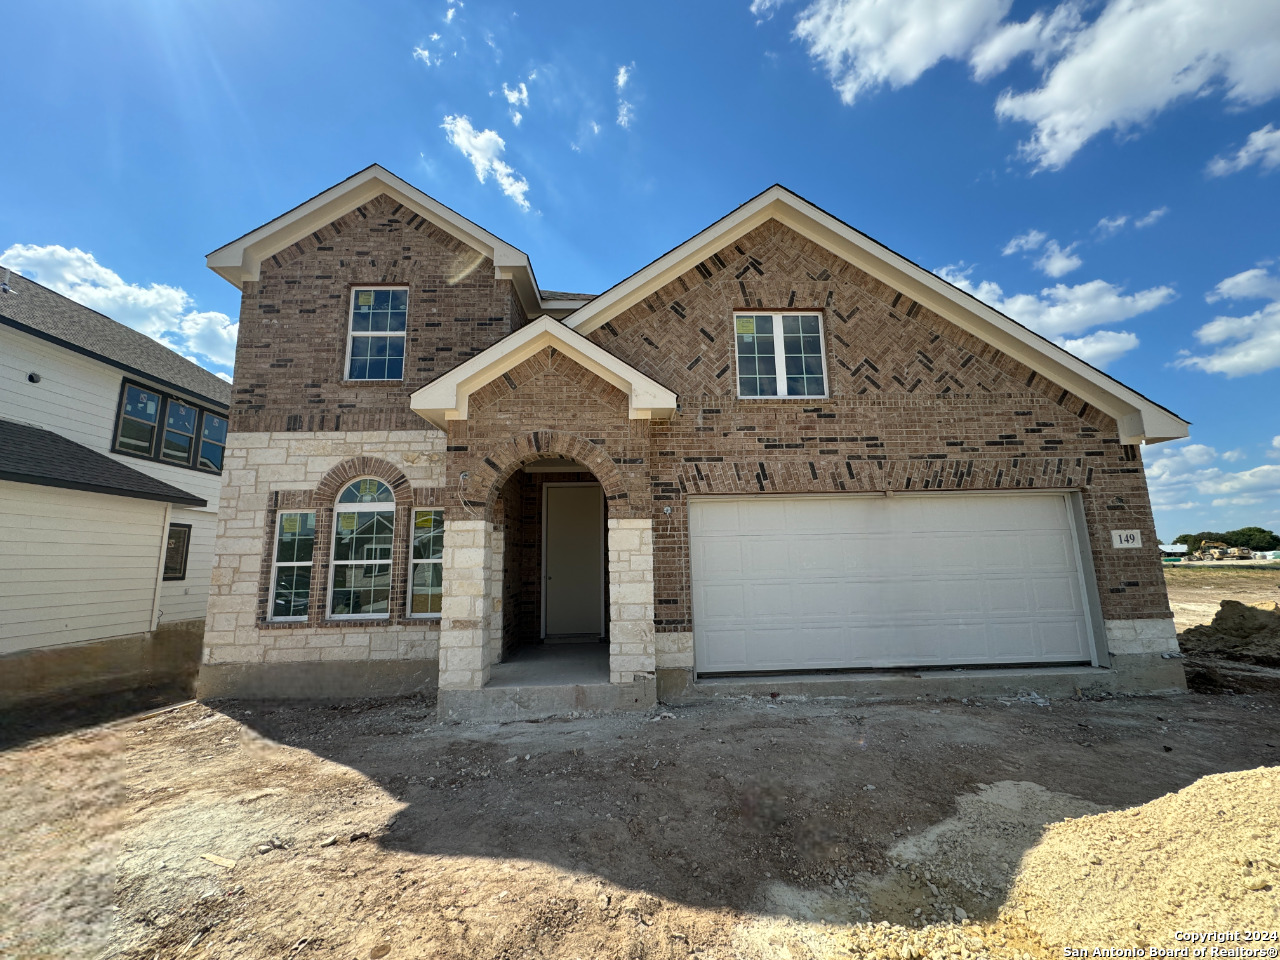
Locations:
(111, 450)
(780, 449)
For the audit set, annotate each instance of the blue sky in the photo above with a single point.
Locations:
(1106, 172)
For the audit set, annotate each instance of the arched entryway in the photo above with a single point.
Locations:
(555, 588)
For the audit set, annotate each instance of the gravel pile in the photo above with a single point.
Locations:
(1206, 858)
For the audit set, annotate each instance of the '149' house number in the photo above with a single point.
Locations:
(1123, 539)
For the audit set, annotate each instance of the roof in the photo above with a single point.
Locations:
(1139, 418)
(241, 259)
(446, 397)
(34, 455)
(41, 312)
(562, 295)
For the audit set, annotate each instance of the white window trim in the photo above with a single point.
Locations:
(339, 508)
(779, 360)
(276, 565)
(352, 334)
(408, 600)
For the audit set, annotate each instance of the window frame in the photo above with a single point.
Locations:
(201, 441)
(186, 553)
(352, 334)
(276, 564)
(413, 518)
(156, 451)
(779, 360)
(382, 506)
(165, 430)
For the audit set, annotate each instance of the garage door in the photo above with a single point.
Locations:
(805, 583)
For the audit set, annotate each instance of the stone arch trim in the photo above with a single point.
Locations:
(507, 457)
(331, 484)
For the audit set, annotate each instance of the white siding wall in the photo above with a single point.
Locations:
(77, 398)
(75, 566)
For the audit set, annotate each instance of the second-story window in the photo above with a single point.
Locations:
(179, 433)
(375, 347)
(213, 441)
(139, 414)
(155, 426)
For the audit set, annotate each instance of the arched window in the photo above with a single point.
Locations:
(360, 569)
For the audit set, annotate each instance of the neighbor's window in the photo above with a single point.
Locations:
(780, 355)
(425, 564)
(177, 546)
(376, 344)
(360, 571)
(139, 415)
(213, 441)
(179, 433)
(291, 565)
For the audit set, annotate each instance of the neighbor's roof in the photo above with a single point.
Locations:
(1139, 418)
(39, 311)
(33, 455)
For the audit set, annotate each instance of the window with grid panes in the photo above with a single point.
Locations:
(291, 565)
(780, 355)
(360, 568)
(376, 345)
(425, 563)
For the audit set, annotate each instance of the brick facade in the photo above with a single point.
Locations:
(914, 403)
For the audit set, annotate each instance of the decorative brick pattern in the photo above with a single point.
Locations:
(292, 350)
(269, 472)
(915, 404)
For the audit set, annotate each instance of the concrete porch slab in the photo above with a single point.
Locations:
(550, 665)
(535, 701)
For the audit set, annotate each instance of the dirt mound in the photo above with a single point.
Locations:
(1241, 632)
(1206, 858)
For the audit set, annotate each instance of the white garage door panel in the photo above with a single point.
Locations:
(796, 583)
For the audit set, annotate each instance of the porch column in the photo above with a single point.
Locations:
(467, 595)
(631, 633)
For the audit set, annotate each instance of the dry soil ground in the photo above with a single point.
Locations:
(752, 829)
(1196, 590)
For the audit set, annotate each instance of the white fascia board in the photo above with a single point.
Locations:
(1139, 419)
(241, 260)
(447, 397)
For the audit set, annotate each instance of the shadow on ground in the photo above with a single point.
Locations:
(20, 725)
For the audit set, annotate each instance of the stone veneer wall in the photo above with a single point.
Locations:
(631, 636)
(269, 472)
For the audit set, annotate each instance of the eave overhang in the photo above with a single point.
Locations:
(446, 398)
(1140, 420)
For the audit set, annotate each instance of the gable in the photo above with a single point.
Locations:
(884, 275)
(448, 397)
(879, 343)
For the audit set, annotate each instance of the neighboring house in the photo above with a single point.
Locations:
(778, 449)
(111, 450)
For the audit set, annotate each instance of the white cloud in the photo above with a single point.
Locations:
(1060, 310)
(516, 117)
(1183, 475)
(1100, 347)
(484, 148)
(1058, 262)
(626, 113)
(448, 17)
(1234, 456)
(622, 76)
(1151, 218)
(1275, 443)
(423, 54)
(1110, 226)
(1248, 344)
(1031, 240)
(1262, 148)
(164, 313)
(1134, 60)
(595, 127)
(517, 96)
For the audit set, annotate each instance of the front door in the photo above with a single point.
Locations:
(573, 561)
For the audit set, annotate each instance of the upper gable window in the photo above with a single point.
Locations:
(375, 347)
(780, 355)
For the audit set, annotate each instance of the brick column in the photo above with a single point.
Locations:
(631, 633)
(464, 607)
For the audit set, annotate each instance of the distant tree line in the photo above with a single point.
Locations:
(1255, 538)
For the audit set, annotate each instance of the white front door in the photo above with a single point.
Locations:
(573, 560)
(805, 583)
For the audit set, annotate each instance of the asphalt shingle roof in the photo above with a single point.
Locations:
(33, 455)
(36, 309)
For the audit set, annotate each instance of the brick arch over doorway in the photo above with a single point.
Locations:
(505, 459)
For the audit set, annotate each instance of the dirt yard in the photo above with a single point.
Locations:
(1196, 590)
(752, 829)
